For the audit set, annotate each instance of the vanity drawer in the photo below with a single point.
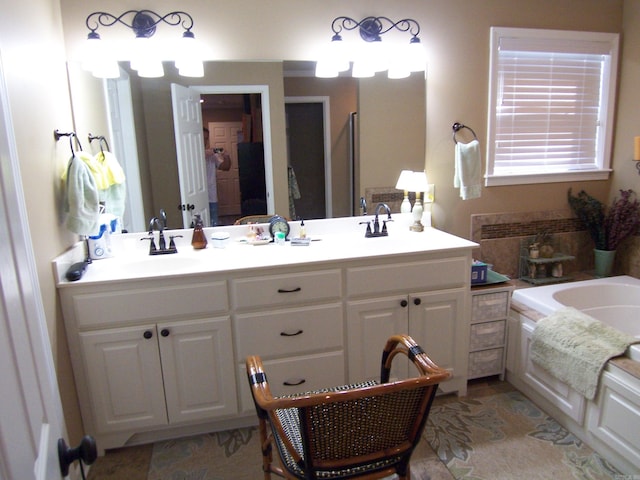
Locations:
(296, 375)
(490, 306)
(118, 307)
(289, 332)
(487, 335)
(290, 289)
(432, 274)
(486, 362)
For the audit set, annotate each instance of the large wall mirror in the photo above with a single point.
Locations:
(281, 126)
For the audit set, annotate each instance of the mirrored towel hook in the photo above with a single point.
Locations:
(459, 126)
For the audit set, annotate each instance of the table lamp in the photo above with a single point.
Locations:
(414, 182)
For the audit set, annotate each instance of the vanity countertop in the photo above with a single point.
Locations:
(332, 240)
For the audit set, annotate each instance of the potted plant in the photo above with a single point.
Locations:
(608, 227)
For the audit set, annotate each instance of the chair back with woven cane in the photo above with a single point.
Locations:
(367, 430)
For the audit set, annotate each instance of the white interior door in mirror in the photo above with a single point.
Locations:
(225, 135)
(187, 123)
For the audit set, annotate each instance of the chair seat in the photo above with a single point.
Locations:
(291, 424)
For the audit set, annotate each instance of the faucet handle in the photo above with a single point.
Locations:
(152, 244)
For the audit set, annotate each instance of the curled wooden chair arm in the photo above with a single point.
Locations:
(407, 346)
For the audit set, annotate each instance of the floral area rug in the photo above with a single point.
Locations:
(494, 433)
(233, 454)
(505, 436)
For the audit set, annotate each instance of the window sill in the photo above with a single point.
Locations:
(501, 180)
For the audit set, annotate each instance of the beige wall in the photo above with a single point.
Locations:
(33, 58)
(456, 33)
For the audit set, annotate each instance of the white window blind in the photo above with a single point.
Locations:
(549, 104)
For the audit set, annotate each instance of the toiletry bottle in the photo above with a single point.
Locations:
(199, 239)
(303, 230)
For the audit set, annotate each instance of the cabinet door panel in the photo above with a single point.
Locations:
(440, 324)
(370, 324)
(197, 361)
(124, 377)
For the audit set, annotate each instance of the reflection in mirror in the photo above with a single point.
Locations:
(326, 189)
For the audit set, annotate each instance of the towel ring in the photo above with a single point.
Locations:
(103, 142)
(72, 135)
(459, 126)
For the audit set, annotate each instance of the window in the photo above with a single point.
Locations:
(551, 99)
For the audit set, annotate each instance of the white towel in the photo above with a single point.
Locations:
(468, 170)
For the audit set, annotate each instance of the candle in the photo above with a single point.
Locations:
(636, 148)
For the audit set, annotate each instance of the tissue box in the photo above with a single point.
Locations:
(478, 272)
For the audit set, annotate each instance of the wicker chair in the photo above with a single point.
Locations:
(367, 430)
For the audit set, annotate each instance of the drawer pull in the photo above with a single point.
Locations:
(292, 290)
(285, 334)
(147, 334)
(288, 383)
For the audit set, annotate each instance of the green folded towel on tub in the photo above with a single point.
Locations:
(574, 348)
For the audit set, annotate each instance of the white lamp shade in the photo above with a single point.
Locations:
(412, 181)
(403, 180)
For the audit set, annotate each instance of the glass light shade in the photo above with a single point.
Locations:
(146, 59)
(415, 56)
(333, 59)
(373, 56)
(189, 57)
(106, 69)
(398, 69)
(362, 70)
(97, 58)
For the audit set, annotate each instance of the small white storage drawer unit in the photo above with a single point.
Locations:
(487, 341)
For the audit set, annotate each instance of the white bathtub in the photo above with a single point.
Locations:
(613, 300)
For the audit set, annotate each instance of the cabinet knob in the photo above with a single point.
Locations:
(417, 301)
(164, 332)
(404, 303)
(147, 334)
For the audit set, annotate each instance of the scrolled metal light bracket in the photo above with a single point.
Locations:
(142, 22)
(371, 28)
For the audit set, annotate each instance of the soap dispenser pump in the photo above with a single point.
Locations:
(199, 239)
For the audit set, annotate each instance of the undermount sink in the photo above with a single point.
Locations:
(151, 265)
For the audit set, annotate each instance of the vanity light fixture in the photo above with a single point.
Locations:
(373, 55)
(414, 182)
(145, 55)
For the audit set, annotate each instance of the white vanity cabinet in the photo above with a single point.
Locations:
(432, 307)
(150, 356)
(294, 322)
(317, 315)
